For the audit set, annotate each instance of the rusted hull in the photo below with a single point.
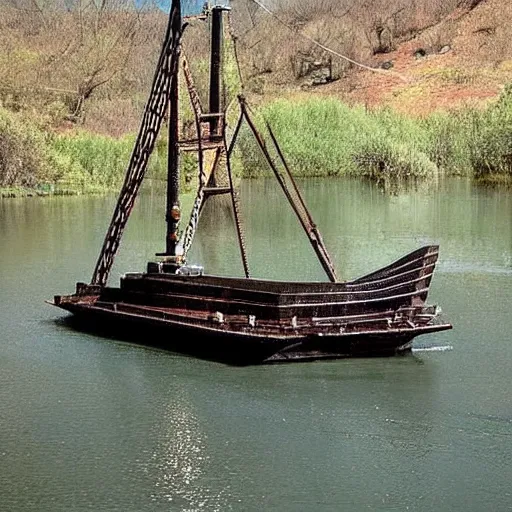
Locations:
(254, 321)
(402, 284)
(249, 345)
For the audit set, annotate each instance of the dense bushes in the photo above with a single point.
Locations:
(491, 151)
(319, 137)
(76, 162)
(324, 137)
(24, 159)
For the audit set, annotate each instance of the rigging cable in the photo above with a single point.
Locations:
(327, 49)
(234, 39)
(294, 197)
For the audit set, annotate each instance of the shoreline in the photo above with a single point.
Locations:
(498, 182)
(320, 138)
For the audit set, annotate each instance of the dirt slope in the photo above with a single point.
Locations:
(467, 60)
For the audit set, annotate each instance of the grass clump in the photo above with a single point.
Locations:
(491, 151)
(324, 137)
(89, 163)
(388, 160)
(36, 161)
(97, 163)
(318, 136)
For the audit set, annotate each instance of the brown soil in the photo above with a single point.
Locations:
(472, 68)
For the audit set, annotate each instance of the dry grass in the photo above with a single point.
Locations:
(94, 68)
(54, 59)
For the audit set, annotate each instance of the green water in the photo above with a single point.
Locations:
(93, 424)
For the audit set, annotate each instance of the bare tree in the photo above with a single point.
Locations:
(78, 46)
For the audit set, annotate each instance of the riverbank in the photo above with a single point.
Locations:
(325, 137)
(37, 160)
(319, 136)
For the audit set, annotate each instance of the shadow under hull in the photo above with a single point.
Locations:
(224, 348)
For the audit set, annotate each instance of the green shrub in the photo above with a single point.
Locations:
(318, 136)
(24, 160)
(74, 162)
(491, 151)
(324, 137)
(387, 160)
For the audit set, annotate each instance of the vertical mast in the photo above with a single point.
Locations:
(173, 211)
(215, 67)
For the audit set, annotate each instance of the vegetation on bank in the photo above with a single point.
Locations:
(324, 137)
(89, 67)
(319, 137)
(37, 161)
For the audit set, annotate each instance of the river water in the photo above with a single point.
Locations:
(94, 424)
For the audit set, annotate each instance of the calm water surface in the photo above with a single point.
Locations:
(93, 424)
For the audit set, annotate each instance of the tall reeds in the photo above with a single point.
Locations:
(324, 137)
(318, 136)
(35, 159)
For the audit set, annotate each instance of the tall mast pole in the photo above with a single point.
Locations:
(217, 39)
(215, 67)
(173, 211)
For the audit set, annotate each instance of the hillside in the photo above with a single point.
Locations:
(464, 59)
(73, 84)
(94, 68)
